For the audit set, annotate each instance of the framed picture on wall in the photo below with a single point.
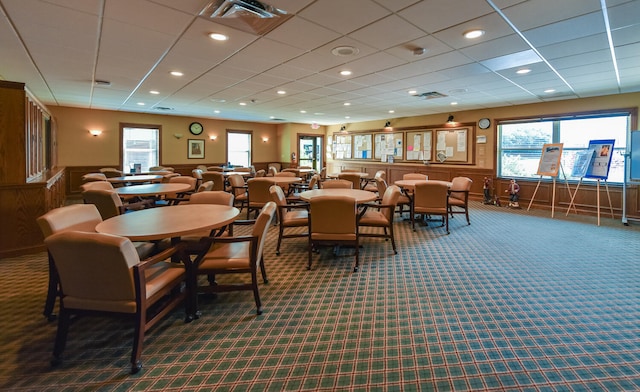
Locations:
(195, 148)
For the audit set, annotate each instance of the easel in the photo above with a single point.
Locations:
(597, 198)
(553, 192)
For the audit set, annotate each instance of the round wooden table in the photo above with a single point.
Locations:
(280, 180)
(411, 184)
(168, 222)
(358, 194)
(147, 190)
(136, 179)
(362, 175)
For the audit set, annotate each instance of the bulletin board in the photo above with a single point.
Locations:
(388, 145)
(342, 146)
(453, 145)
(419, 146)
(363, 146)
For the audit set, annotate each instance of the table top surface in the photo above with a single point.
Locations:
(243, 174)
(166, 222)
(278, 179)
(361, 174)
(152, 189)
(411, 184)
(358, 194)
(140, 178)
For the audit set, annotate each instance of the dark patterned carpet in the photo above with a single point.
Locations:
(515, 301)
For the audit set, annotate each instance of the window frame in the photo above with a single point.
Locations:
(238, 131)
(630, 113)
(122, 126)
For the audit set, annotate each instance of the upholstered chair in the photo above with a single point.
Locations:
(261, 173)
(215, 168)
(197, 174)
(371, 183)
(239, 190)
(403, 199)
(102, 273)
(272, 171)
(107, 201)
(93, 177)
(430, 198)
(342, 184)
(290, 215)
(459, 196)
(185, 198)
(353, 177)
(415, 176)
(211, 197)
(106, 185)
(216, 177)
(258, 194)
(380, 216)
(111, 172)
(237, 255)
(333, 220)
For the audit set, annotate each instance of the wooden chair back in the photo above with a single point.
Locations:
(340, 183)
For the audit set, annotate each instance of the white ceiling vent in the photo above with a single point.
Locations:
(248, 15)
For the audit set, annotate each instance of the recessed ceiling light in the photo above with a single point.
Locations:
(412, 92)
(345, 73)
(347, 117)
(154, 92)
(347, 104)
(392, 111)
(303, 111)
(140, 104)
(471, 34)
(282, 92)
(242, 104)
(454, 103)
(218, 37)
(176, 73)
(523, 71)
(550, 90)
(216, 111)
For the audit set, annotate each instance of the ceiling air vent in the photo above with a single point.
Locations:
(248, 15)
(431, 95)
(162, 108)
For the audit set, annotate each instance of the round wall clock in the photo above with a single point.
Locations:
(484, 123)
(196, 128)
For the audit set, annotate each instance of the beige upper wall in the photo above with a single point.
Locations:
(485, 153)
(76, 147)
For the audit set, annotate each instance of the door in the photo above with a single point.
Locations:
(310, 151)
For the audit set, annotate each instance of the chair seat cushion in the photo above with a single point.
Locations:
(456, 202)
(161, 274)
(332, 237)
(226, 256)
(422, 210)
(296, 218)
(402, 199)
(373, 218)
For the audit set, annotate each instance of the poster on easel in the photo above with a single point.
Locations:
(550, 159)
(601, 163)
(584, 160)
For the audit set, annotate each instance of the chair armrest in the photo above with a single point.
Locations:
(165, 254)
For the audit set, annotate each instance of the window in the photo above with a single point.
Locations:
(239, 148)
(140, 148)
(520, 142)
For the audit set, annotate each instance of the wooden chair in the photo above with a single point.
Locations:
(239, 190)
(381, 216)
(342, 184)
(459, 196)
(430, 198)
(415, 176)
(333, 220)
(82, 217)
(290, 215)
(371, 183)
(258, 195)
(102, 273)
(353, 177)
(236, 255)
(217, 178)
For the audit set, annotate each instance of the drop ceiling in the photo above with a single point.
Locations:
(577, 48)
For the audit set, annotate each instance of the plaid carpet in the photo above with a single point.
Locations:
(515, 301)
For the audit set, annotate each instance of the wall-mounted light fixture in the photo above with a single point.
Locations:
(450, 118)
(177, 135)
(213, 138)
(387, 126)
(265, 139)
(95, 132)
(343, 128)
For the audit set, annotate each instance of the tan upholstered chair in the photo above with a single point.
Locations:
(111, 172)
(197, 174)
(161, 169)
(381, 216)
(211, 197)
(290, 215)
(333, 220)
(430, 198)
(287, 173)
(242, 169)
(342, 184)
(258, 194)
(107, 201)
(298, 187)
(215, 168)
(323, 174)
(403, 200)
(175, 198)
(371, 183)
(202, 168)
(261, 173)
(275, 165)
(82, 217)
(106, 185)
(271, 171)
(415, 176)
(353, 177)
(186, 198)
(459, 196)
(93, 177)
(102, 273)
(350, 170)
(216, 177)
(237, 255)
(239, 190)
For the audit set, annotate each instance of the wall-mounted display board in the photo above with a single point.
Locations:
(363, 146)
(388, 146)
(341, 146)
(452, 145)
(419, 146)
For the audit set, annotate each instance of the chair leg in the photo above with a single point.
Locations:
(61, 337)
(466, 213)
(280, 234)
(357, 267)
(263, 270)
(138, 339)
(393, 241)
(256, 293)
(310, 253)
(52, 291)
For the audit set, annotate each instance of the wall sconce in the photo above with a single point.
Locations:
(265, 139)
(343, 128)
(177, 136)
(450, 118)
(387, 124)
(95, 132)
(213, 138)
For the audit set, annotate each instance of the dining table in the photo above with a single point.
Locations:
(150, 190)
(360, 195)
(171, 222)
(133, 179)
(410, 185)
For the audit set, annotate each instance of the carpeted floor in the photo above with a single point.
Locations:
(515, 301)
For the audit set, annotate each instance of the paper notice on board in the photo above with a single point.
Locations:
(441, 143)
(416, 142)
(449, 152)
(461, 137)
